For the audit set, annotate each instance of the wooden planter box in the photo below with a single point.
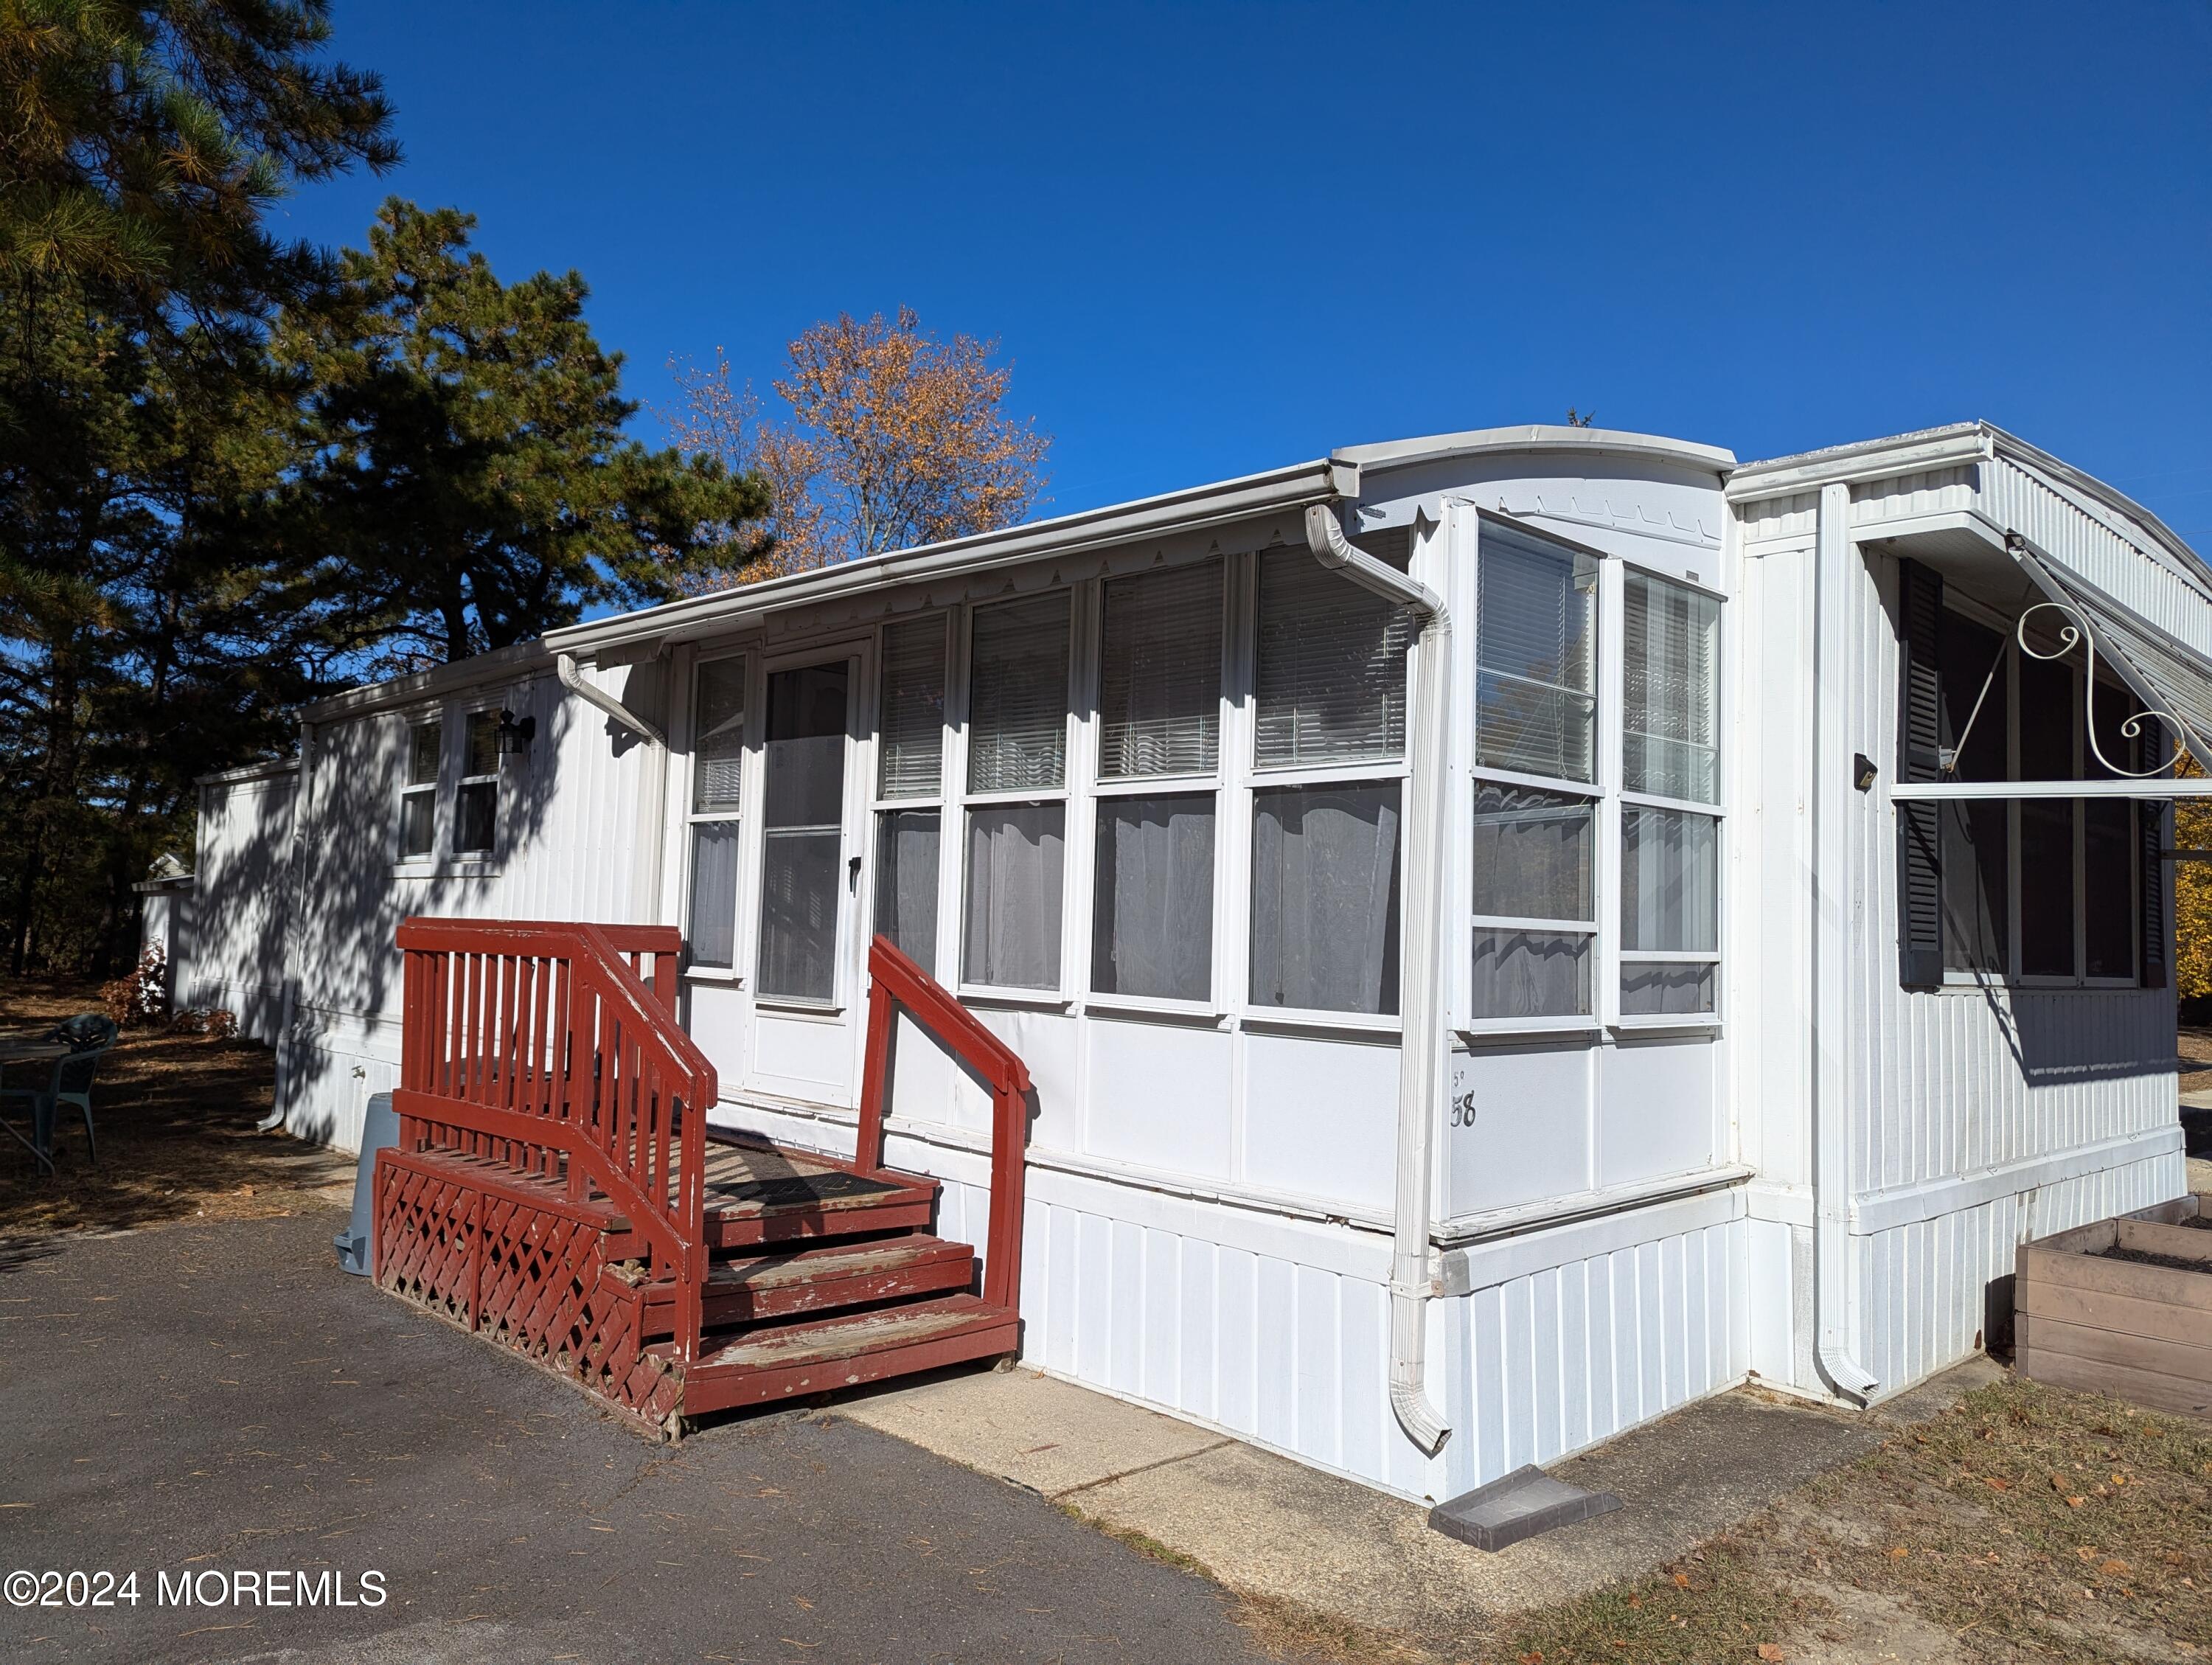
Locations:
(2138, 1332)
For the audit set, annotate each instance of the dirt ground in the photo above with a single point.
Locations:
(2027, 1525)
(174, 1115)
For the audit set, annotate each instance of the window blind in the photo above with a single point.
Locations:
(1331, 686)
(1159, 680)
(1670, 688)
(717, 733)
(1017, 696)
(912, 723)
(1536, 674)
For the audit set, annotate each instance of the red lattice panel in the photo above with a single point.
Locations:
(540, 1267)
(426, 1237)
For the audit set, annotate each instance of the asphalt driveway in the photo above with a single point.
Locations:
(220, 1400)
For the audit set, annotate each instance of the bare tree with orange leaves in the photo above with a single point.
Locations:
(894, 439)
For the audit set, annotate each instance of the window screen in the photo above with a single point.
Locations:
(1016, 854)
(1159, 680)
(802, 826)
(1975, 838)
(1535, 669)
(712, 925)
(1017, 696)
(1332, 667)
(1670, 689)
(1325, 898)
(906, 883)
(1153, 899)
(718, 735)
(912, 746)
(1533, 859)
(1669, 882)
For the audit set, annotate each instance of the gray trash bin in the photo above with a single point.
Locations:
(379, 1128)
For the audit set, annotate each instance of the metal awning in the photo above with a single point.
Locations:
(2174, 683)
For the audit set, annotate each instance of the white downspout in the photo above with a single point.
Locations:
(1411, 1278)
(573, 681)
(1834, 572)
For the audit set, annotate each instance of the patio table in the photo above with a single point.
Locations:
(32, 1050)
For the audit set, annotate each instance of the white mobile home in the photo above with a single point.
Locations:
(1508, 932)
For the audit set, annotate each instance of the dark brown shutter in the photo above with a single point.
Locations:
(2150, 837)
(1919, 826)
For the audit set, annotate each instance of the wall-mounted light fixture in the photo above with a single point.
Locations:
(1863, 772)
(515, 734)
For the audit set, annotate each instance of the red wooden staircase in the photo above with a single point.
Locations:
(555, 1188)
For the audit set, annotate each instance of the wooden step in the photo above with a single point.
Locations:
(783, 1282)
(757, 1193)
(787, 1360)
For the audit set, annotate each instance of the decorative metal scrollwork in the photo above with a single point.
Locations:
(2074, 632)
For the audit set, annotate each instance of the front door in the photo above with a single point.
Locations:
(806, 980)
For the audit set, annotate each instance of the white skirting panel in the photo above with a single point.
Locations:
(1921, 1287)
(1276, 1330)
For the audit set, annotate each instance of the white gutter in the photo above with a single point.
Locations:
(573, 681)
(1834, 566)
(1413, 1279)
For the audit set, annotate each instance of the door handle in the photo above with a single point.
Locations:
(853, 873)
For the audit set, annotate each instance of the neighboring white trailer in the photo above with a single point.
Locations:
(1148, 788)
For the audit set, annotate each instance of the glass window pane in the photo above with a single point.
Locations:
(1152, 922)
(2108, 890)
(1331, 671)
(476, 818)
(1535, 687)
(1015, 857)
(1534, 853)
(1667, 988)
(418, 812)
(1669, 881)
(422, 749)
(906, 883)
(2046, 886)
(1159, 699)
(1522, 974)
(1017, 696)
(1325, 898)
(911, 749)
(718, 735)
(713, 928)
(1670, 692)
(481, 755)
(802, 826)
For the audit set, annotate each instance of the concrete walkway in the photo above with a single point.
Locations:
(220, 1401)
(1264, 1525)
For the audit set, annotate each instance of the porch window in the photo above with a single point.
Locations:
(1160, 637)
(1669, 850)
(418, 796)
(1535, 912)
(1328, 757)
(476, 804)
(909, 786)
(802, 831)
(1017, 796)
(718, 742)
(1535, 663)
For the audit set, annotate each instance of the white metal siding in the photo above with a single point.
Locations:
(232, 945)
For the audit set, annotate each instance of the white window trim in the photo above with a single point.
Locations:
(411, 863)
(457, 742)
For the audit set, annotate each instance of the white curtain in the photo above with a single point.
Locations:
(1325, 898)
(1533, 853)
(1531, 974)
(1016, 854)
(713, 924)
(1153, 930)
(906, 883)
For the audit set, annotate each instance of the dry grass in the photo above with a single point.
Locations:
(174, 1115)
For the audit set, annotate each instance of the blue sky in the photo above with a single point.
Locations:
(1214, 238)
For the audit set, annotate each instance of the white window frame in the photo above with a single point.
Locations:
(1213, 783)
(1591, 792)
(402, 857)
(458, 744)
(1246, 780)
(878, 805)
(749, 767)
(1075, 842)
(1990, 619)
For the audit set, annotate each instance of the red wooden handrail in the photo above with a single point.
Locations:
(896, 981)
(524, 1041)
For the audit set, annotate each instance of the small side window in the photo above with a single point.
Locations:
(418, 792)
(476, 806)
